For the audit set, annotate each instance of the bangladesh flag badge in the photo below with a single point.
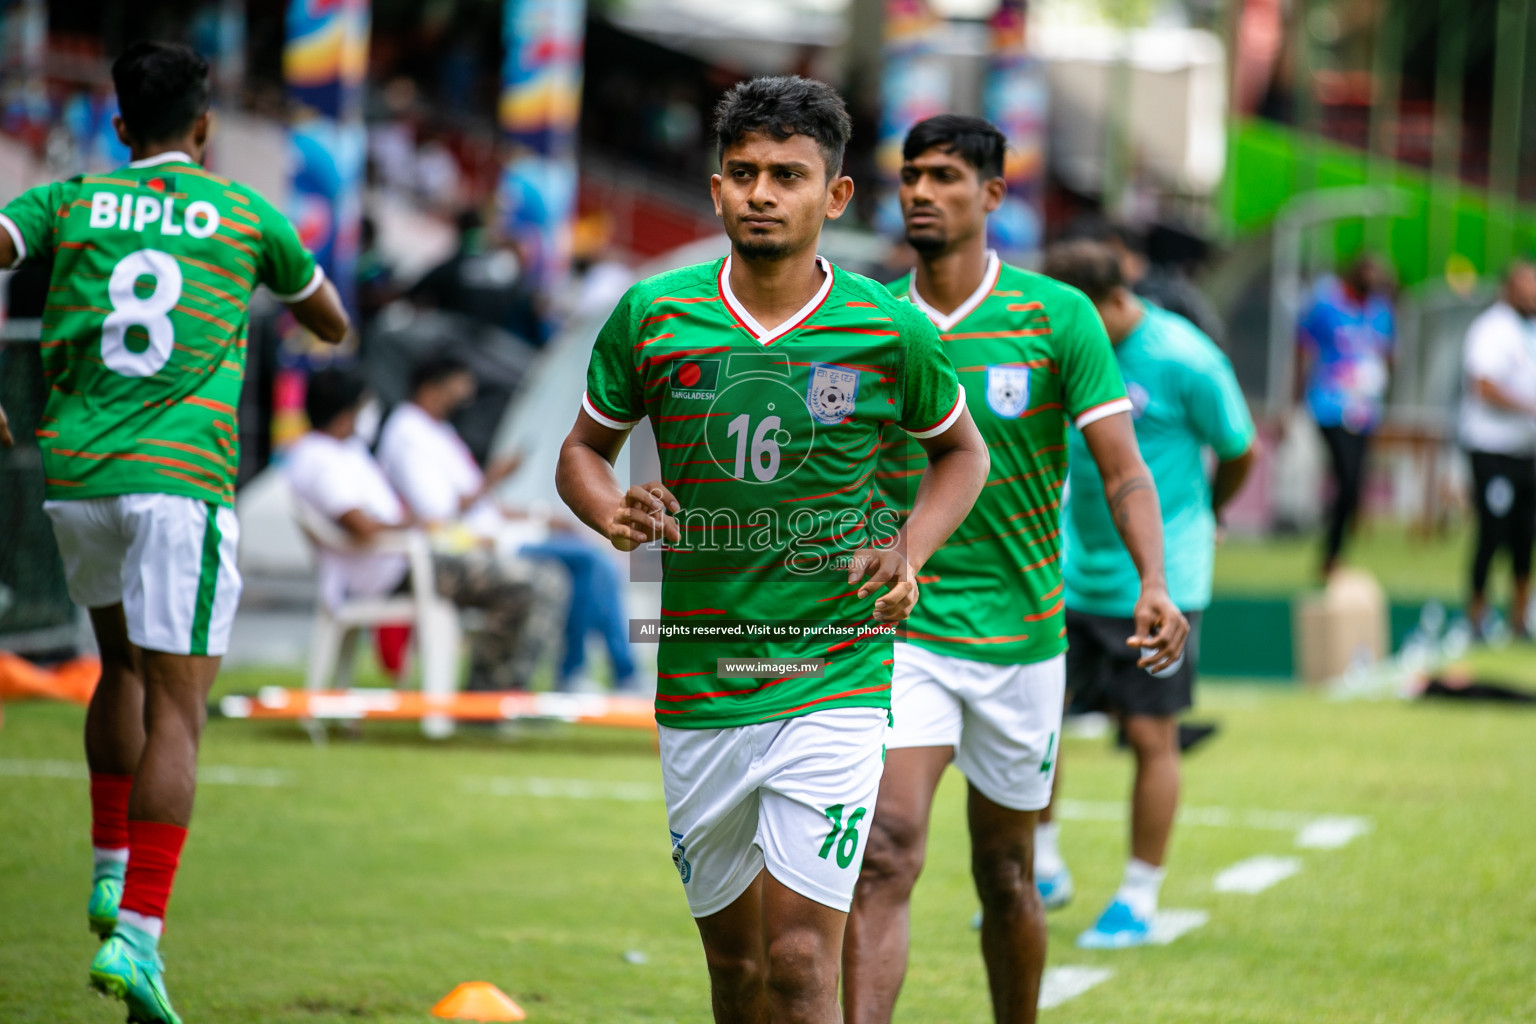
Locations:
(695, 378)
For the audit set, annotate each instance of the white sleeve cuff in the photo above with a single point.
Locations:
(603, 418)
(948, 420)
(15, 233)
(1098, 412)
(315, 282)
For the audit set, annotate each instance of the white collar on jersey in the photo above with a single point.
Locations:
(173, 157)
(761, 333)
(947, 323)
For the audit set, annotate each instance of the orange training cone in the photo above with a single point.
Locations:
(478, 1000)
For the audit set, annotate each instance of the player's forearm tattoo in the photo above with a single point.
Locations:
(1124, 491)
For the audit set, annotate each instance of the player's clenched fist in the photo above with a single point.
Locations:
(643, 516)
(1161, 630)
(885, 566)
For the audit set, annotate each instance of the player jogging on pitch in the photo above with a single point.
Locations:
(980, 679)
(768, 377)
(144, 349)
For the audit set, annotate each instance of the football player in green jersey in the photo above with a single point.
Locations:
(144, 350)
(767, 378)
(980, 679)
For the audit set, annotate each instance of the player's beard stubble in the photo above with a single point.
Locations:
(761, 249)
(928, 241)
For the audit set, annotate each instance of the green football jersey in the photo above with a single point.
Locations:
(769, 441)
(1033, 357)
(144, 331)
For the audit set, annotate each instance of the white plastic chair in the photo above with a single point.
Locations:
(439, 634)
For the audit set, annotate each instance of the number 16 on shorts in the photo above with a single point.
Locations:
(844, 837)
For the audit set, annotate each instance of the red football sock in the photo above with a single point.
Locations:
(109, 811)
(154, 850)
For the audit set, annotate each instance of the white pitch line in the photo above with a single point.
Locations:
(564, 789)
(212, 774)
(1059, 984)
(1313, 831)
(1256, 874)
(1332, 833)
(1170, 924)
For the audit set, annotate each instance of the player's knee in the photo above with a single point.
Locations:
(1002, 875)
(173, 712)
(893, 853)
(801, 966)
(1152, 736)
(734, 975)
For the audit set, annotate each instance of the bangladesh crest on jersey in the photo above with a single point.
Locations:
(831, 393)
(1008, 390)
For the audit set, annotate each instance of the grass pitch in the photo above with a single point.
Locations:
(1409, 567)
(363, 880)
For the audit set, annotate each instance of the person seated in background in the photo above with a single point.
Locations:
(433, 470)
(331, 470)
(483, 280)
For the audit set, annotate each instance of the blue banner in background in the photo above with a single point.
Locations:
(1016, 100)
(914, 85)
(324, 63)
(539, 107)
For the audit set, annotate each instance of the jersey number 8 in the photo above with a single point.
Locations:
(151, 312)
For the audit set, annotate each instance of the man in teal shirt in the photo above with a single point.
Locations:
(1185, 399)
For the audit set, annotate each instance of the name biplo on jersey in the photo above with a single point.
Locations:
(1033, 357)
(769, 440)
(144, 333)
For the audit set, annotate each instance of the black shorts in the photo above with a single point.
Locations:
(1102, 674)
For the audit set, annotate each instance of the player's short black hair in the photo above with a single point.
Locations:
(975, 140)
(161, 89)
(331, 392)
(785, 105)
(1093, 268)
(437, 367)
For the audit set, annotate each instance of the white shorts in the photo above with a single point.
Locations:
(169, 560)
(1003, 721)
(794, 796)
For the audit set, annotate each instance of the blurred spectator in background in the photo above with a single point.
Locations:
(1173, 254)
(392, 139)
(484, 282)
(1160, 272)
(1343, 362)
(599, 278)
(433, 470)
(1498, 429)
(375, 278)
(331, 470)
(439, 179)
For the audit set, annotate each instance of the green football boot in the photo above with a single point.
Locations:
(106, 895)
(128, 967)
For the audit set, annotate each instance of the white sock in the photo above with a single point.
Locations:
(1048, 860)
(108, 862)
(1139, 888)
(151, 926)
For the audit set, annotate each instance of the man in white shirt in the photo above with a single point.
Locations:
(332, 470)
(437, 476)
(1498, 429)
